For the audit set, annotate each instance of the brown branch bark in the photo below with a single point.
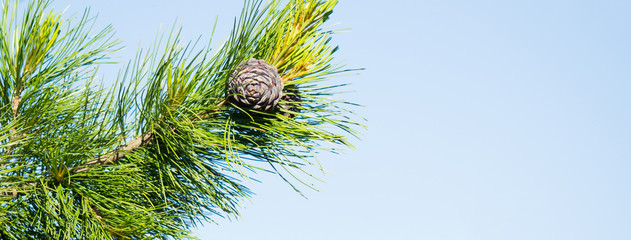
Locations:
(142, 141)
(118, 153)
(13, 194)
(15, 103)
(121, 151)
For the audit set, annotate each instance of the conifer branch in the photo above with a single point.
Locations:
(142, 141)
(117, 154)
(15, 102)
(162, 150)
(15, 114)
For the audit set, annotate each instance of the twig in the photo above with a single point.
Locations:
(118, 153)
(142, 141)
(15, 103)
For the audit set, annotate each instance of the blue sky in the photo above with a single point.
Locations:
(486, 120)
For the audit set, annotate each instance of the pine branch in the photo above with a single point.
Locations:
(190, 148)
(120, 152)
(117, 154)
(15, 102)
(17, 96)
(142, 141)
(39, 62)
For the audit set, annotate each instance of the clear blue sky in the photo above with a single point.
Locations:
(487, 120)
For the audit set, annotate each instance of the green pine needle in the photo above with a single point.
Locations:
(163, 149)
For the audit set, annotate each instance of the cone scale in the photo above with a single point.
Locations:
(256, 85)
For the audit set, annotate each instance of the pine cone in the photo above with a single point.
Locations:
(255, 84)
(293, 103)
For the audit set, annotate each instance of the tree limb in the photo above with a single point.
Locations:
(15, 103)
(118, 153)
(142, 141)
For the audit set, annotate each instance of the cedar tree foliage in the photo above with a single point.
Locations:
(163, 148)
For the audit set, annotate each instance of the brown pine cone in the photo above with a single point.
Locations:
(256, 85)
